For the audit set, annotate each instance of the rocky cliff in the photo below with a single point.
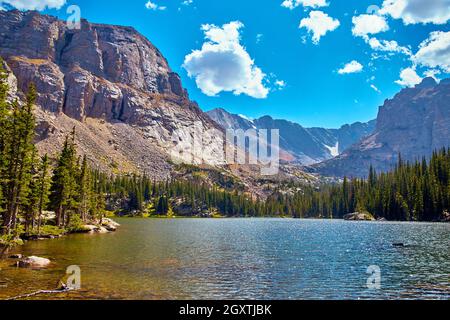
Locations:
(109, 82)
(414, 124)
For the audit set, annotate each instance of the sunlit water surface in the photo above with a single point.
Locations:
(243, 259)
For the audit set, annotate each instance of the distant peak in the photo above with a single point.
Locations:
(427, 82)
(266, 118)
(221, 110)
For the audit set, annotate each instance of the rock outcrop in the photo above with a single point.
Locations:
(413, 124)
(109, 82)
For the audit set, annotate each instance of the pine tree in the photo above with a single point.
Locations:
(149, 209)
(170, 212)
(99, 207)
(44, 183)
(84, 190)
(30, 205)
(4, 133)
(163, 206)
(64, 189)
(19, 159)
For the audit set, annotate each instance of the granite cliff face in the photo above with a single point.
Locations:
(300, 145)
(414, 124)
(108, 81)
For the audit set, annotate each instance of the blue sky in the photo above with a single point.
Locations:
(288, 73)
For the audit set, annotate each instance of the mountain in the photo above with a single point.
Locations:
(301, 145)
(414, 123)
(109, 82)
(230, 121)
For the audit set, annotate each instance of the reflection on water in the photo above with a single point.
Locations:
(244, 259)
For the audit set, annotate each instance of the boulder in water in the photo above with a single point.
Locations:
(110, 224)
(92, 229)
(88, 228)
(34, 262)
(358, 216)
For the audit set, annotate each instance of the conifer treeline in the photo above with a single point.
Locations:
(141, 194)
(418, 191)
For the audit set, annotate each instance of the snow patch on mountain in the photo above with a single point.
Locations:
(334, 151)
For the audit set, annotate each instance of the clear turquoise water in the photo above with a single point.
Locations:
(244, 259)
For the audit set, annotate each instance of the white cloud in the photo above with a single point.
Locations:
(409, 78)
(223, 64)
(366, 24)
(292, 4)
(434, 52)
(432, 73)
(351, 67)
(187, 2)
(375, 88)
(153, 6)
(34, 4)
(388, 46)
(280, 84)
(418, 11)
(319, 23)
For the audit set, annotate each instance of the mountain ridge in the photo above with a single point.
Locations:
(304, 145)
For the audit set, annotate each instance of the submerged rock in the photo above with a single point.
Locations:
(34, 262)
(399, 244)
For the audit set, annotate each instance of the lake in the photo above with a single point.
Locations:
(243, 259)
